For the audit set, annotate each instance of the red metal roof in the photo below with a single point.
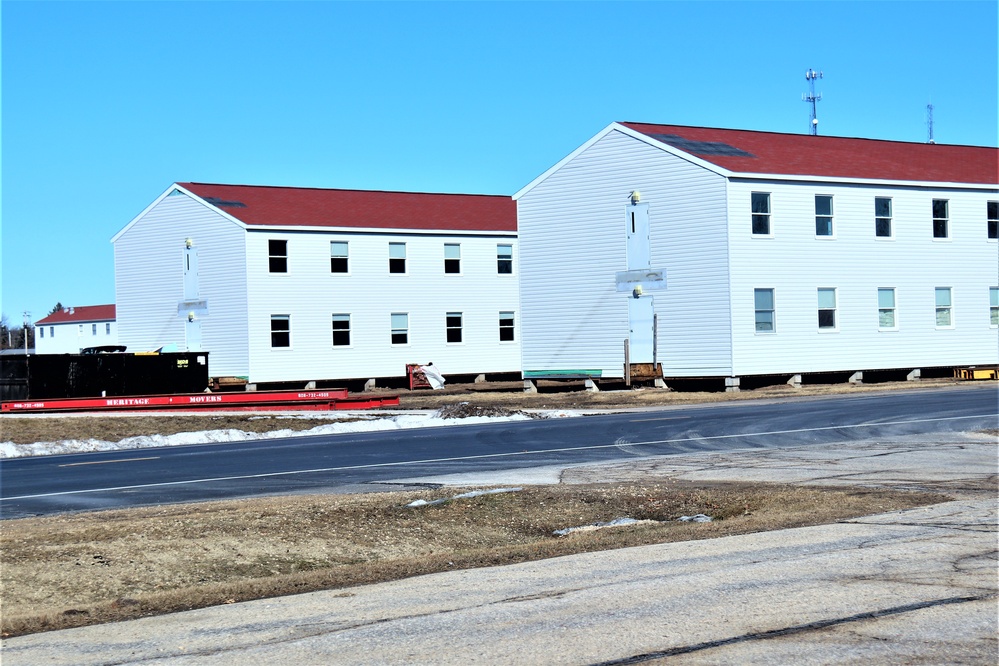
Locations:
(831, 156)
(312, 207)
(80, 314)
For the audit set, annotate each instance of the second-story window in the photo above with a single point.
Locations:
(823, 215)
(882, 217)
(940, 218)
(277, 256)
(993, 215)
(338, 257)
(504, 259)
(452, 258)
(397, 257)
(761, 213)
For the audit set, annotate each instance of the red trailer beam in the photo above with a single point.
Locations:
(312, 400)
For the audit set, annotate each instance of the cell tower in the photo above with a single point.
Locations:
(812, 98)
(929, 124)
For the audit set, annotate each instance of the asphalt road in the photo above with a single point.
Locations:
(352, 462)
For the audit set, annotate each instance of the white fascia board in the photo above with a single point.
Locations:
(272, 228)
(624, 130)
(165, 194)
(925, 184)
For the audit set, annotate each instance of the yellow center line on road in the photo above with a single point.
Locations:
(108, 462)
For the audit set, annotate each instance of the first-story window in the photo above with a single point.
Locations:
(41, 331)
(107, 329)
(993, 219)
(397, 257)
(453, 325)
(823, 215)
(886, 307)
(764, 304)
(882, 217)
(452, 258)
(944, 315)
(93, 329)
(761, 213)
(277, 256)
(827, 308)
(341, 330)
(280, 331)
(51, 331)
(504, 259)
(940, 218)
(400, 328)
(994, 306)
(79, 329)
(339, 257)
(506, 326)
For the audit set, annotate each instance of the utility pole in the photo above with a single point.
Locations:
(812, 98)
(24, 330)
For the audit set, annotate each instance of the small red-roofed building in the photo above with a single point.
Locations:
(74, 329)
(723, 253)
(286, 284)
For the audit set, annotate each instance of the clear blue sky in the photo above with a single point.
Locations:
(106, 104)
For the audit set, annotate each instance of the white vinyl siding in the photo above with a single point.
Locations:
(149, 282)
(797, 264)
(370, 294)
(572, 243)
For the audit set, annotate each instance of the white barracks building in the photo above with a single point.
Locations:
(728, 253)
(284, 284)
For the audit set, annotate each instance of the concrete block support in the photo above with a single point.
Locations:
(795, 381)
(370, 385)
(591, 386)
(915, 375)
(480, 379)
(661, 383)
(732, 384)
(529, 386)
(251, 387)
(856, 378)
(310, 386)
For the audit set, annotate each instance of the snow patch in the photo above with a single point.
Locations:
(474, 493)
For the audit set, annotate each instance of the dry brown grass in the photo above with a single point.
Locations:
(77, 569)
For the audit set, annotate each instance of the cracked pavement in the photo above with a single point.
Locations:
(916, 586)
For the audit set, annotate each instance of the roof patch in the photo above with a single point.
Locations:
(215, 201)
(701, 147)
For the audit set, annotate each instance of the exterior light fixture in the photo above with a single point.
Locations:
(188, 243)
(636, 196)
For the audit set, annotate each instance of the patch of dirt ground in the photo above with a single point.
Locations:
(76, 569)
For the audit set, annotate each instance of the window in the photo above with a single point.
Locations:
(994, 306)
(940, 218)
(506, 326)
(277, 256)
(280, 331)
(993, 214)
(79, 329)
(823, 215)
(400, 328)
(93, 329)
(51, 331)
(341, 330)
(338, 257)
(41, 331)
(764, 303)
(107, 329)
(886, 308)
(452, 258)
(397, 257)
(882, 217)
(827, 309)
(453, 324)
(761, 213)
(943, 304)
(504, 259)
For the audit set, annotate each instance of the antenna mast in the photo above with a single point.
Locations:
(812, 98)
(929, 124)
